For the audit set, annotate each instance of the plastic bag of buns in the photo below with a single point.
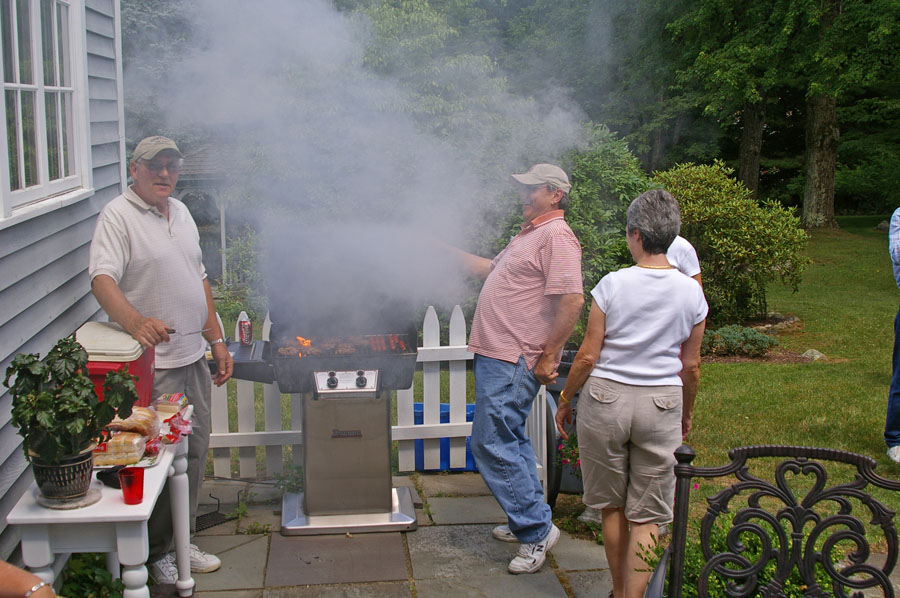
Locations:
(122, 448)
(142, 420)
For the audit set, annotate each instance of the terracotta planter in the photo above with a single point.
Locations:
(68, 479)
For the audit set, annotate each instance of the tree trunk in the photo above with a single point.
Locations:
(822, 134)
(753, 119)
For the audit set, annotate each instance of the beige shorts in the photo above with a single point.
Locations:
(627, 436)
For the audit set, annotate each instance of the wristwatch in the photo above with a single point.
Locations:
(216, 342)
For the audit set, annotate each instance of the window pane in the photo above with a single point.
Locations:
(9, 68)
(62, 43)
(66, 118)
(53, 157)
(23, 18)
(28, 138)
(47, 52)
(12, 139)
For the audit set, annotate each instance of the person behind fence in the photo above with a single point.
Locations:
(528, 307)
(892, 419)
(147, 273)
(645, 327)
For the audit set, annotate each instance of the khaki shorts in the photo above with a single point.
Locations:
(627, 436)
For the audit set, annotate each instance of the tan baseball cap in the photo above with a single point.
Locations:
(545, 174)
(150, 146)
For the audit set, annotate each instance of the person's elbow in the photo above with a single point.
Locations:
(690, 368)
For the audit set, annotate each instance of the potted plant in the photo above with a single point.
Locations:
(60, 417)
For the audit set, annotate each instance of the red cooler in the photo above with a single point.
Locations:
(110, 349)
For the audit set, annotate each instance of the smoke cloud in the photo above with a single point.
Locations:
(319, 147)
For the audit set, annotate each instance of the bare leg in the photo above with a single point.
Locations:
(641, 537)
(615, 541)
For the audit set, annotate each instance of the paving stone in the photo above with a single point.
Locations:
(589, 584)
(422, 517)
(262, 493)
(225, 490)
(243, 562)
(457, 551)
(543, 584)
(473, 509)
(311, 560)
(453, 484)
(258, 516)
(573, 554)
(364, 590)
(235, 594)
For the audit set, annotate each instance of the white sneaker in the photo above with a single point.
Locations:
(894, 453)
(531, 557)
(504, 534)
(164, 570)
(203, 562)
(591, 515)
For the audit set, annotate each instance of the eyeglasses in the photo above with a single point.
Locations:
(157, 167)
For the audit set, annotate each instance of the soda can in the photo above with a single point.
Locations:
(245, 329)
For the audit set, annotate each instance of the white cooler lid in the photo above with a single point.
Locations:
(107, 341)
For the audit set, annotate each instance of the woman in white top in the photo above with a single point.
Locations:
(639, 362)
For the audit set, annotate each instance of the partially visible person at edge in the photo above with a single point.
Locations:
(683, 256)
(147, 273)
(644, 329)
(892, 420)
(527, 309)
(17, 583)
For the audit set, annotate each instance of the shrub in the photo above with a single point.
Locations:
(742, 245)
(243, 286)
(736, 340)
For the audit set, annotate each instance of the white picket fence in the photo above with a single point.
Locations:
(274, 437)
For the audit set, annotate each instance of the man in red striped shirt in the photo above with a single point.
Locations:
(527, 309)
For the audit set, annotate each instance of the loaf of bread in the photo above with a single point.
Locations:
(142, 420)
(123, 448)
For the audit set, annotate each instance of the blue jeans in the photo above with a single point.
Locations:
(892, 421)
(504, 393)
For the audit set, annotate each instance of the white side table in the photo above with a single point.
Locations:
(112, 527)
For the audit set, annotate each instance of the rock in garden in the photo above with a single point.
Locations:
(884, 225)
(813, 355)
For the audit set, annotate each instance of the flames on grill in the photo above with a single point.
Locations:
(352, 345)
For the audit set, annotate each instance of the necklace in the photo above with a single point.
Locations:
(666, 267)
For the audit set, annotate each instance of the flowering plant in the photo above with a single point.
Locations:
(567, 453)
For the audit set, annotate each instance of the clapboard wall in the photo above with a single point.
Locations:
(44, 284)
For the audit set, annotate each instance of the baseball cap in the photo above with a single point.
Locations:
(545, 174)
(150, 146)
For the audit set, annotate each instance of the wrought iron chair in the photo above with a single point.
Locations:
(755, 533)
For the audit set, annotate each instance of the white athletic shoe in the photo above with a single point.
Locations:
(531, 557)
(894, 453)
(164, 570)
(591, 515)
(203, 562)
(504, 534)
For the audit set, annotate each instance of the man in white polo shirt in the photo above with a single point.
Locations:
(147, 273)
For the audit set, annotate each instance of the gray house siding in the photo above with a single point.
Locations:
(44, 284)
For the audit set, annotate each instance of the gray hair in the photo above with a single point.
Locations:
(656, 214)
(564, 202)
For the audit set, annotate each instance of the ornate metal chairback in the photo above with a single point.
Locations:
(756, 533)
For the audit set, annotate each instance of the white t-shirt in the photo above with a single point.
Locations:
(683, 256)
(158, 266)
(649, 314)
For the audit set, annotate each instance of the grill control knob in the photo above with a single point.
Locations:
(332, 381)
(361, 381)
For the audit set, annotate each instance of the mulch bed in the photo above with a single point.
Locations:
(776, 355)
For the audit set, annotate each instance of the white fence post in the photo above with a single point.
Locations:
(457, 388)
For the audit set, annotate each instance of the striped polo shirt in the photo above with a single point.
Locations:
(519, 299)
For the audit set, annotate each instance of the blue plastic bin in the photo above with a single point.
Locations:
(445, 442)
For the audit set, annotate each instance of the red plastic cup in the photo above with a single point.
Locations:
(132, 481)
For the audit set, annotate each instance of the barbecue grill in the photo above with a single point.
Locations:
(340, 342)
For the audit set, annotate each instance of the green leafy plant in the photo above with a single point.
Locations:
(243, 286)
(85, 576)
(742, 245)
(291, 480)
(54, 405)
(736, 340)
(257, 528)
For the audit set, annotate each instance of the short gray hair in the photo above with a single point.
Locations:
(564, 202)
(656, 214)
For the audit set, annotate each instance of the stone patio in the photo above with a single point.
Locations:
(451, 554)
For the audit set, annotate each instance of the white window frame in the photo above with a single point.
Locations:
(48, 195)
